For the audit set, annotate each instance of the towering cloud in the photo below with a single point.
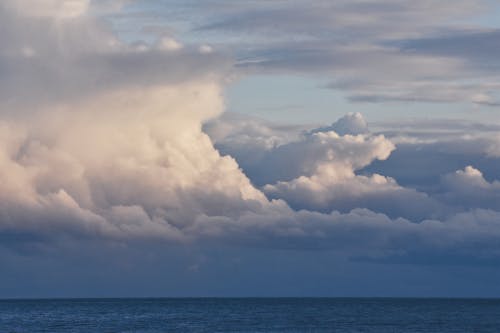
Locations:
(108, 140)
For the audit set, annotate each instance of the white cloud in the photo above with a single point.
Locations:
(326, 166)
(468, 188)
(100, 140)
(103, 140)
(169, 44)
(139, 148)
(351, 123)
(318, 169)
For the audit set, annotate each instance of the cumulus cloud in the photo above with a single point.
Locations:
(428, 149)
(278, 150)
(351, 123)
(310, 169)
(139, 176)
(321, 150)
(326, 177)
(468, 188)
(317, 170)
(136, 152)
(101, 140)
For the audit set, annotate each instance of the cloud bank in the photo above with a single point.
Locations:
(111, 143)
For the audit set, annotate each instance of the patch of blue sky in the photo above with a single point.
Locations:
(304, 100)
(290, 98)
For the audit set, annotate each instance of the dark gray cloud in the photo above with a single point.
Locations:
(162, 270)
(429, 149)
(352, 20)
(479, 48)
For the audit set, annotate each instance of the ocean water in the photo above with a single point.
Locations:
(251, 315)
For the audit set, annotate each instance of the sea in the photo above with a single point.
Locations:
(384, 315)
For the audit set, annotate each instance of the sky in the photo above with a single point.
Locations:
(249, 148)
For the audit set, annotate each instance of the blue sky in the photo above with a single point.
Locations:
(200, 22)
(250, 148)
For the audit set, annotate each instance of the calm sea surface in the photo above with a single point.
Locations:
(251, 315)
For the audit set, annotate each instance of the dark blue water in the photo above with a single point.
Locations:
(251, 315)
